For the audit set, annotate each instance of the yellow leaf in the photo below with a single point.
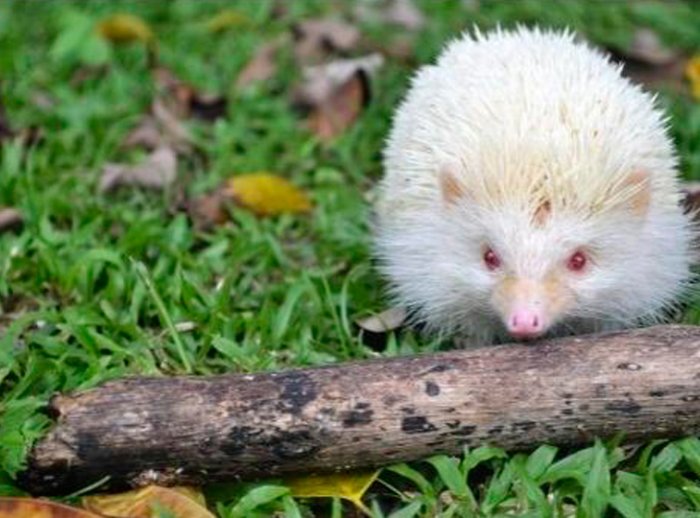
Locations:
(692, 72)
(182, 502)
(124, 28)
(350, 486)
(34, 508)
(267, 194)
(225, 19)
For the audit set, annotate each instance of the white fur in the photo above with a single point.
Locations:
(523, 116)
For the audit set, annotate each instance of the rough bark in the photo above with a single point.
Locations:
(187, 430)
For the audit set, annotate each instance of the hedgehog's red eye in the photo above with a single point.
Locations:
(491, 260)
(577, 261)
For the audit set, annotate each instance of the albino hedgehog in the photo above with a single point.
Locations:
(530, 190)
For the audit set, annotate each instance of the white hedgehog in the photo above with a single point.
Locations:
(530, 190)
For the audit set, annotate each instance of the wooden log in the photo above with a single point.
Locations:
(190, 430)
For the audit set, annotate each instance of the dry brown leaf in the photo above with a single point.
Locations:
(172, 129)
(10, 219)
(405, 14)
(261, 67)
(648, 62)
(692, 73)
(125, 28)
(388, 320)
(267, 194)
(12, 507)
(209, 210)
(316, 38)
(181, 502)
(183, 100)
(147, 135)
(158, 171)
(321, 81)
(343, 106)
(647, 48)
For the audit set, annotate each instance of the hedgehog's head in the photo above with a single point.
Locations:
(549, 256)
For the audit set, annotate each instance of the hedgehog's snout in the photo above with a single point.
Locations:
(528, 308)
(525, 323)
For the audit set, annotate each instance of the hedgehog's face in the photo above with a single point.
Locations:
(539, 267)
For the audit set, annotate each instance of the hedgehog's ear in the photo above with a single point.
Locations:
(638, 185)
(451, 189)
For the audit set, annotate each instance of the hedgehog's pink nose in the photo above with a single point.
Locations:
(525, 323)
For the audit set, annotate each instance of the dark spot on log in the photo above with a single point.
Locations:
(567, 402)
(629, 366)
(465, 430)
(391, 399)
(495, 430)
(294, 445)
(657, 393)
(417, 424)
(87, 445)
(298, 390)
(239, 438)
(524, 425)
(450, 410)
(453, 424)
(600, 390)
(624, 406)
(440, 367)
(432, 388)
(568, 411)
(362, 405)
(584, 407)
(408, 410)
(567, 395)
(357, 417)
(691, 397)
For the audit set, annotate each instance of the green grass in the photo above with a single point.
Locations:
(95, 286)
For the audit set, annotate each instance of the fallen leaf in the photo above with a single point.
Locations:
(158, 171)
(266, 194)
(125, 28)
(647, 47)
(183, 100)
(226, 19)
(649, 62)
(181, 502)
(405, 14)
(350, 486)
(209, 210)
(173, 130)
(316, 38)
(339, 111)
(388, 320)
(147, 135)
(692, 73)
(261, 67)
(691, 197)
(321, 81)
(13, 507)
(10, 219)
